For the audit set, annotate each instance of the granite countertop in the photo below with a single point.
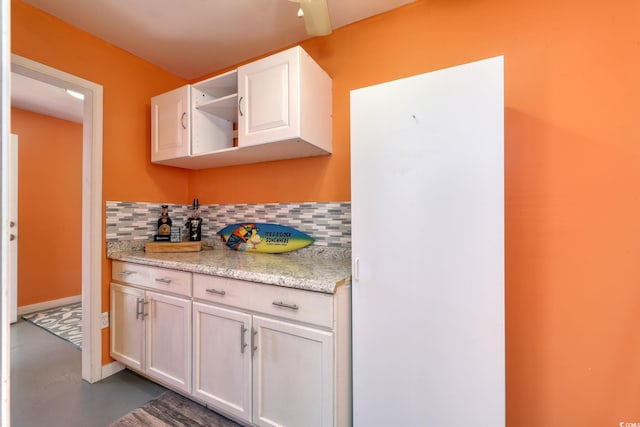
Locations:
(313, 273)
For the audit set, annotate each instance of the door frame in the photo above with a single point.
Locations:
(12, 255)
(91, 204)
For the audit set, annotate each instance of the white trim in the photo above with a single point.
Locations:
(5, 126)
(112, 368)
(48, 304)
(91, 205)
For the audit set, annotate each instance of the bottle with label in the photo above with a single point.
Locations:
(164, 224)
(194, 224)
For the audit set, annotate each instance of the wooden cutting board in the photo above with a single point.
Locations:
(173, 247)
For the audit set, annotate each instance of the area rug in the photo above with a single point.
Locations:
(171, 409)
(64, 322)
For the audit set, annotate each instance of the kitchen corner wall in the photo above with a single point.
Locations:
(329, 223)
(572, 167)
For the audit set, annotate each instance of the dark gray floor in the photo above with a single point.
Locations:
(47, 388)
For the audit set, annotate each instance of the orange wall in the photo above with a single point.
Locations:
(572, 166)
(571, 163)
(128, 84)
(49, 205)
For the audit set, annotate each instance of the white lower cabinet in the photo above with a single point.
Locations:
(151, 331)
(264, 355)
(272, 356)
(127, 331)
(168, 340)
(222, 359)
(292, 374)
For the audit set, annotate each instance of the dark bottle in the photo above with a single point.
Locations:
(164, 223)
(194, 224)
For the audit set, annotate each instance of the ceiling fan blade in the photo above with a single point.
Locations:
(316, 17)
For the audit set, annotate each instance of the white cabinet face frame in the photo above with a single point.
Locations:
(292, 375)
(222, 359)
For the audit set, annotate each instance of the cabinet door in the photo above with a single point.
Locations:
(127, 325)
(170, 125)
(268, 99)
(222, 359)
(168, 336)
(292, 375)
(429, 147)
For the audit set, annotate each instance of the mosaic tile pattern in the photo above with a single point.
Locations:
(329, 223)
(139, 220)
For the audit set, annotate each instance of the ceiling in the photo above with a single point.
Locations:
(189, 38)
(43, 98)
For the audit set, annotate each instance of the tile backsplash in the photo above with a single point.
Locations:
(329, 223)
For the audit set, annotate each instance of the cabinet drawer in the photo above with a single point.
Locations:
(303, 306)
(176, 282)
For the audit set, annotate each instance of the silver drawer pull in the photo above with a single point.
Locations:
(254, 347)
(139, 302)
(125, 272)
(242, 343)
(144, 314)
(216, 291)
(163, 280)
(285, 305)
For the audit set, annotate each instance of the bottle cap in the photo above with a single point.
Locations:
(195, 203)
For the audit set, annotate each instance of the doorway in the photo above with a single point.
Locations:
(48, 122)
(91, 223)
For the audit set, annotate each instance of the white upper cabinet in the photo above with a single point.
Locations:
(286, 96)
(281, 106)
(170, 125)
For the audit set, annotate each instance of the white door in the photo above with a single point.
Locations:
(12, 185)
(292, 375)
(268, 99)
(168, 337)
(170, 124)
(222, 359)
(127, 325)
(428, 249)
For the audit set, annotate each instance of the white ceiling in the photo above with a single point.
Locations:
(189, 38)
(33, 95)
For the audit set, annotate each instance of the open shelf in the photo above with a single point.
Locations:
(225, 108)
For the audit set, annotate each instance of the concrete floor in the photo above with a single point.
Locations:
(47, 388)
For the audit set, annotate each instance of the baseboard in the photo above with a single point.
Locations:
(111, 368)
(48, 304)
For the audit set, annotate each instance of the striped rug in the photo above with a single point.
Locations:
(171, 409)
(64, 322)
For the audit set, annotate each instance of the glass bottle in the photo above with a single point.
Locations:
(164, 222)
(194, 224)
